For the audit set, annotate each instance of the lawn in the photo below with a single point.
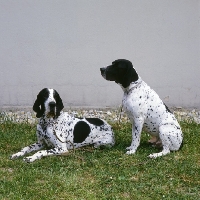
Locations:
(91, 174)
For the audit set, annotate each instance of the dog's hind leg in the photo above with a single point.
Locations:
(164, 134)
(107, 140)
(171, 137)
(105, 143)
(164, 152)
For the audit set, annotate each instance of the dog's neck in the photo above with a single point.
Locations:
(48, 120)
(132, 86)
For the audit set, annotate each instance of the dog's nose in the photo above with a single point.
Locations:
(102, 69)
(52, 104)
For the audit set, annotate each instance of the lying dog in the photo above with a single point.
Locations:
(144, 108)
(60, 131)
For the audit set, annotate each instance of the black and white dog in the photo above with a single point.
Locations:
(144, 108)
(61, 131)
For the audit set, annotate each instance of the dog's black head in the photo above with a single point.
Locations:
(48, 103)
(121, 71)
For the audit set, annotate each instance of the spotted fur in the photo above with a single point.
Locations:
(144, 108)
(60, 131)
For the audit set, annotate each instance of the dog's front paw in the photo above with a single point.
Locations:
(130, 150)
(29, 159)
(16, 155)
(153, 155)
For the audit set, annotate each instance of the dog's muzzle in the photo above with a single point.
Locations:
(103, 72)
(52, 108)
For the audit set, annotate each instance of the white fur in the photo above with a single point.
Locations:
(58, 133)
(50, 99)
(146, 110)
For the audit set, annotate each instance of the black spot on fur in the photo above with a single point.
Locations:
(95, 121)
(81, 131)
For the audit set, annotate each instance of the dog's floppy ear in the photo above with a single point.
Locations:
(59, 103)
(37, 106)
(127, 73)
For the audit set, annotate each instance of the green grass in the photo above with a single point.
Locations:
(93, 174)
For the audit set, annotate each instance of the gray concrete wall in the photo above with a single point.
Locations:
(63, 43)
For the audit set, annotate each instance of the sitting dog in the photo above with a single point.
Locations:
(144, 109)
(60, 131)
